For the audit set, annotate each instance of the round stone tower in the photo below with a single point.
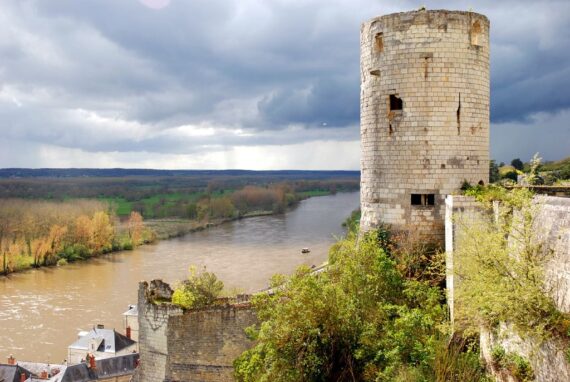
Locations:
(424, 115)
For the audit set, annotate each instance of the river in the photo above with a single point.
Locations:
(42, 310)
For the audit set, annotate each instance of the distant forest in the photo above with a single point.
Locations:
(55, 216)
(124, 172)
(163, 193)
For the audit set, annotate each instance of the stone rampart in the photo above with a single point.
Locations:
(193, 345)
(552, 226)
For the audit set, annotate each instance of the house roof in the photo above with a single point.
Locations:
(109, 341)
(37, 367)
(11, 373)
(106, 368)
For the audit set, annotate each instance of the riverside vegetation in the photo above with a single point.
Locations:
(59, 225)
(377, 313)
(41, 233)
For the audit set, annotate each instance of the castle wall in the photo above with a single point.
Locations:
(437, 64)
(552, 224)
(457, 209)
(203, 344)
(153, 341)
(194, 345)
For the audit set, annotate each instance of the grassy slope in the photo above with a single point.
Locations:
(558, 165)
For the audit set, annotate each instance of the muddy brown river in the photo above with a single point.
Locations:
(42, 310)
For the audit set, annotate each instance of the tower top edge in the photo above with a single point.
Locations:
(428, 14)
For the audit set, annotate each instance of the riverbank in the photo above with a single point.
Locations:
(161, 229)
(156, 230)
(169, 228)
(41, 309)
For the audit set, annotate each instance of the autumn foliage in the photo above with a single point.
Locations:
(272, 198)
(37, 233)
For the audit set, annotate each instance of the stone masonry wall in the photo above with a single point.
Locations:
(153, 341)
(552, 224)
(437, 64)
(456, 208)
(194, 345)
(203, 344)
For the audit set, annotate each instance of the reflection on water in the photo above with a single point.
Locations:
(41, 311)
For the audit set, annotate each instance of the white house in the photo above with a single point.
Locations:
(102, 343)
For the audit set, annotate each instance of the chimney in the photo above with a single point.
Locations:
(128, 332)
(91, 360)
(11, 360)
(44, 374)
(23, 377)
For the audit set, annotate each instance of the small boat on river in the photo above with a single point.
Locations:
(305, 250)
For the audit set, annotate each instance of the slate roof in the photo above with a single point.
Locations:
(37, 367)
(11, 373)
(106, 368)
(112, 342)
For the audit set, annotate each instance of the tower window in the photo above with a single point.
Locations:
(379, 42)
(423, 199)
(476, 33)
(395, 103)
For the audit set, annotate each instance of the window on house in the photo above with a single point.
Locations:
(395, 103)
(379, 42)
(423, 199)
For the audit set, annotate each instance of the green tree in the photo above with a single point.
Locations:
(191, 211)
(517, 164)
(493, 171)
(358, 320)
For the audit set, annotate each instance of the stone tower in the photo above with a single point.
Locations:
(424, 115)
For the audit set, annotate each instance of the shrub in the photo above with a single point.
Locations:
(520, 368)
(61, 262)
(516, 365)
(457, 360)
(501, 266)
(498, 354)
(199, 290)
(359, 320)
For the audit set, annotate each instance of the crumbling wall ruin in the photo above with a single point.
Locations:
(193, 345)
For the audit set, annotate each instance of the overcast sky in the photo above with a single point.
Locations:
(255, 84)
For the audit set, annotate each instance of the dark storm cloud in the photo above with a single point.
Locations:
(117, 76)
(329, 102)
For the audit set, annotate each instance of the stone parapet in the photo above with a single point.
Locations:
(190, 345)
